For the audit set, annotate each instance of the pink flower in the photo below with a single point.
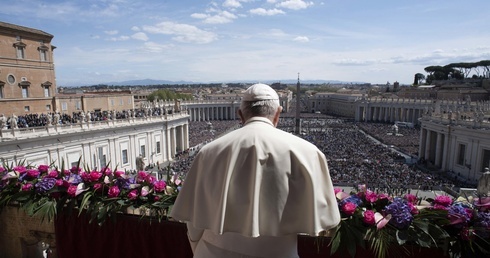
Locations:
(75, 170)
(443, 200)
(97, 186)
(150, 179)
(66, 172)
(118, 173)
(59, 182)
(368, 217)
(159, 186)
(20, 169)
(337, 190)
(53, 174)
(2, 169)
(33, 173)
(483, 203)
(113, 191)
(371, 196)
(133, 194)
(27, 187)
(349, 208)
(72, 190)
(413, 209)
(156, 198)
(411, 198)
(382, 196)
(43, 168)
(141, 176)
(94, 176)
(107, 171)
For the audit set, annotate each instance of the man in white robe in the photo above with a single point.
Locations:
(250, 192)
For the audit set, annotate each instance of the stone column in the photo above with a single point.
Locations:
(437, 161)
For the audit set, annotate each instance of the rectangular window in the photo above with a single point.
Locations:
(143, 151)
(1, 92)
(42, 54)
(486, 160)
(125, 156)
(20, 53)
(46, 91)
(121, 101)
(112, 102)
(102, 157)
(64, 106)
(158, 147)
(27, 108)
(461, 154)
(25, 92)
(48, 107)
(78, 105)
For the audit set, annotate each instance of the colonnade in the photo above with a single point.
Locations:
(209, 112)
(382, 110)
(448, 145)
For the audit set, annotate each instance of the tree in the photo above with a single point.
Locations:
(418, 77)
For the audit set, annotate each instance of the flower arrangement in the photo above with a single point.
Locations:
(388, 224)
(385, 223)
(46, 190)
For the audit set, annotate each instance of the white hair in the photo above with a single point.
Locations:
(263, 108)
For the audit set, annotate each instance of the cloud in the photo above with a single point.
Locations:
(295, 4)
(120, 38)
(182, 32)
(301, 39)
(353, 61)
(111, 32)
(264, 12)
(232, 3)
(221, 17)
(135, 28)
(140, 36)
(153, 47)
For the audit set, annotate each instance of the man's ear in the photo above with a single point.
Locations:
(275, 121)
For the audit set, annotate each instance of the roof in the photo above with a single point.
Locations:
(24, 29)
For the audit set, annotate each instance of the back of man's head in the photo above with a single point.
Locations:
(259, 100)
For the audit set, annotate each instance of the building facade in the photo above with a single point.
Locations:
(114, 143)
(456, 144)
(27, 77)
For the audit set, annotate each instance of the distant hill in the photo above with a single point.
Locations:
(146, 82)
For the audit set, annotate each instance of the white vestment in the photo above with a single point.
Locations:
(256, 181)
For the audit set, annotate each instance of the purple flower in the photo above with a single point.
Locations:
(400, 211)
(458, 214)
(483, 220)
(45, 184)
(353, 198)
(74, 179)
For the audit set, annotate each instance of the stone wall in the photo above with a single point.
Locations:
(15, 226)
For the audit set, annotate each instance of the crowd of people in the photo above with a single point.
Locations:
(56, 118)
(354, 155)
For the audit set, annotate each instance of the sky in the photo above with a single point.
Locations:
(255, 40)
